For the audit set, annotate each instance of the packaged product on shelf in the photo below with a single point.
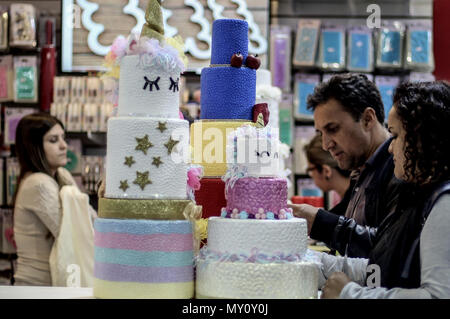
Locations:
(12, 117)
(22, 25)
(61, 92)
(307, 38)
(94, 90)
(77, 89)
(91, 171)
(105, 112)
(74, 117)
(3, 28)
(25, 79)
(386, 85)
(332, 48)
(280, 57)
(304, 85)
(12, 173)
(303, 135)
(90, 122)
(110, 90)
(390, 45)
(306, 187)
(419, 47)
(6, 78)
(59, 110)
(286, 122)
(360, 49)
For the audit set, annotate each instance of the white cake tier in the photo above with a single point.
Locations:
(249, 236)
(139, 97)
(160, 174)
(263, 77)
(260, 156)
(237, 280)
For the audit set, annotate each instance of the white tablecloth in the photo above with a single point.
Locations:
(33, 292)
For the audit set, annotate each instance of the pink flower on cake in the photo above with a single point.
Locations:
(119, 47)
(282, 214)
(194, 176)
(260, 214)
(235, 213)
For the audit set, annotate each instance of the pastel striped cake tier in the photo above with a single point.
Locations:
(143, 259)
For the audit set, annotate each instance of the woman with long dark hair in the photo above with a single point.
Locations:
(42, 153)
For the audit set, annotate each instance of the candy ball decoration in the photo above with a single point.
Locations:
(253, 62)
(236, 60)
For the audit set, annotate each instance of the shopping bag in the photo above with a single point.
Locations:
(72, 255)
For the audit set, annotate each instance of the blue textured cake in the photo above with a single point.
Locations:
(228, 92)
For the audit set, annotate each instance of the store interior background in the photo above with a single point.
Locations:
(88, 146)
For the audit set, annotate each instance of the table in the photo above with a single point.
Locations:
(39, 292)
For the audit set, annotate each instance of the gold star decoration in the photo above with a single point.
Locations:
(129, 161)
(162, 126)
(157, 161)
(124, 185)
(142, 179)
(170, 145)
(143, 144)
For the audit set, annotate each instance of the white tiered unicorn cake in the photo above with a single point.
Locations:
(143, 242)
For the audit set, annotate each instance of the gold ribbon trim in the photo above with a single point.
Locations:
(193, 213)
(158, 209)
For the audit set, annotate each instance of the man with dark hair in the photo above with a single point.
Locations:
(349, 114)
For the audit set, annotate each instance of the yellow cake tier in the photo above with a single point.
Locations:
(135, 290)
(208, 144)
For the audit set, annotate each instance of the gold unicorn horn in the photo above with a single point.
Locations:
(153, 26)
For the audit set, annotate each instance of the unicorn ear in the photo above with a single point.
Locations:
(153, 26)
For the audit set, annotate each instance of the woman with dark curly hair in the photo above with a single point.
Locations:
(411, 253)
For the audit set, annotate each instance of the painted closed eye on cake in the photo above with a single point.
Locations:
(150, 84)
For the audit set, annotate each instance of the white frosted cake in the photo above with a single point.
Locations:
(256, 249)
(266, 93)
(144, 245)
(147, 140)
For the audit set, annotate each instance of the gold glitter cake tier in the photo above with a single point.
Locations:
(158, 209)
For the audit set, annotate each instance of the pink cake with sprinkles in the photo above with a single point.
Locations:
(253, 188)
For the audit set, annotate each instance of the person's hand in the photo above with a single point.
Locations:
(305, 211)
(334, 285)
(101, 189)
